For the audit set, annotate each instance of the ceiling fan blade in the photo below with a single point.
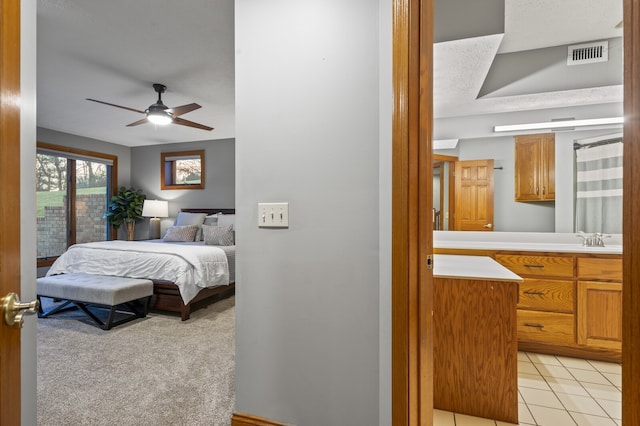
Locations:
(137, 123)
(117, 106)
(183, 109)
(183, 122)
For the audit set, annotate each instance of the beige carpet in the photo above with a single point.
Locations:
(152, 371)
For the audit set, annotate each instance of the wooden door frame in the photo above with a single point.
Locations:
(412, 347)
(10, 407)
(631, 218)
(412, 201)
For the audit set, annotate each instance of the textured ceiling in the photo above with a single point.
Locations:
(115, 50)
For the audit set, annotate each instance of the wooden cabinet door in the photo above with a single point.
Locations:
(527, 165)
(535, 176)
(599, 314)
(548, 167)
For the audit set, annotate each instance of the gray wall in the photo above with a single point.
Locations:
(219, 187)
(308, 133)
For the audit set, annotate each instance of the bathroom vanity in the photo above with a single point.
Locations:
(570, 302)
(475, 342)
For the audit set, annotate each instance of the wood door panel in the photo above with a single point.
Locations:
(475, 350)
(9, 206)
(474, 195)
(599, 319)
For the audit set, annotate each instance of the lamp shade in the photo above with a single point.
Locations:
(155, 208)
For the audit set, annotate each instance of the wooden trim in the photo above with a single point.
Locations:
(71, 202)
(163, 170)
(631, 217)
(81, 152)
(438, 157)
(209, 211)
(9, 204)
(412, 283)
(241, 419)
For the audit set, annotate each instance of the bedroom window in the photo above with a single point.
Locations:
(182, 170)
(72, 189)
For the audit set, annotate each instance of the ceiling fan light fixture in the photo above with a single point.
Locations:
(157, 114)
(160, 118)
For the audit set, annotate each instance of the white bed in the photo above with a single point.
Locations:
(191, 266)
(184, 274)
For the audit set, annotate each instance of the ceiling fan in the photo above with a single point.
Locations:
(161, 114)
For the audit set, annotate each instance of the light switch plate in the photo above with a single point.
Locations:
(273, 215)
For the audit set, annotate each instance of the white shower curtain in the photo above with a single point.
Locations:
(599, 188)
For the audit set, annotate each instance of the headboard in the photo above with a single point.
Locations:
(209, 211)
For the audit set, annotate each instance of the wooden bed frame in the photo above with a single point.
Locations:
(166, 295)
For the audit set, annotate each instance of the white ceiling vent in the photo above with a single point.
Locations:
(588, 53)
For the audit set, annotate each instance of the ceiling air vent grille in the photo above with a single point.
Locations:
(588, 53)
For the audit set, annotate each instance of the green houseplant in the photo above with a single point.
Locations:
(125, 207)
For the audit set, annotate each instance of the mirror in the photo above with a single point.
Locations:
(182, 170)
(509, 71)
(513, 216)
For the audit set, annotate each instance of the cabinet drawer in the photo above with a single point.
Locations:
(600, 269)
(546, 327)
(547, 295)
(537, 265)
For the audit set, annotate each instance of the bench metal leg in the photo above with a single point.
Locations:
(60, 308)
(136, 309)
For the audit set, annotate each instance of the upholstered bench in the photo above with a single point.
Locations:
(126, 296)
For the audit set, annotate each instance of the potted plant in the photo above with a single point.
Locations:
(125, 207)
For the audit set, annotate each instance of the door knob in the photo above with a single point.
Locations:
(488, 226)
(13, 309)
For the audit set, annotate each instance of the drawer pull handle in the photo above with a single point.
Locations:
(538, 326)
(527, 265)
(534, 293)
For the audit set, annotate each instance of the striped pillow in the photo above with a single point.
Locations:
(218, 235)
(181, 233)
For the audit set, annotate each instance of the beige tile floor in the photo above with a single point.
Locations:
(558, 391)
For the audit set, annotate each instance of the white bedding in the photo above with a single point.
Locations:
(190, 266)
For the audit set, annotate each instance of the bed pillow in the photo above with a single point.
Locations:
(211, 220)
(181, 233)
(226, 220)
(185, 218)
(218, 235)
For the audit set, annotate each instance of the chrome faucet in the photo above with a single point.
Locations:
(592, 240)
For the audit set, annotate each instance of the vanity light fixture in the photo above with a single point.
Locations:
(563, 124)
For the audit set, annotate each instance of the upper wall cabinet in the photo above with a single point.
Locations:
(535, 176)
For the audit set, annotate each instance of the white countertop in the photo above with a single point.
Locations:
(476, 267)
(522, 241)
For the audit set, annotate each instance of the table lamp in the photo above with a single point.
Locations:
(155, 209)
